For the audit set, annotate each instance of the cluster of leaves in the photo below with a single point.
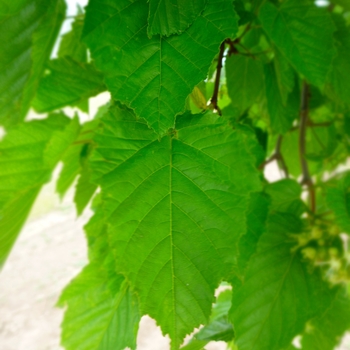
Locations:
(204, 95)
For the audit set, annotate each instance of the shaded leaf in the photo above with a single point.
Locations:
(244, 81)
(282, 113)
(279, 294)
(325, 333)
(338, 200)
(286, 197)
(67, 82)
(337, 86)
(256, 220)
(156, 81)
(301, 31)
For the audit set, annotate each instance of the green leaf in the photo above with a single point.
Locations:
(85, 189)
(325, 333)
(195, 345)
(156, 81)
(219, 327)
(98, 318)
(338, 200)
(168, 17)
(338, 87)
(284, 75)
(75, 157)
(286, 197)
(279, 294)
(174, 209)
(282, 114)
(67, 82)
(303, 32)
(256, 220)
(44, 39)
(71, 44)
(244, 81)
(20, 54)
(28, 155)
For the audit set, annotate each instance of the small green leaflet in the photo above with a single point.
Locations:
(174, 209)
(98, 317)
(24, 53)
(303, 32)
(338, 200)
(67, 82)
(168, 17)
(29, 152)
(154, 76)
(244, 81)
(279, 294)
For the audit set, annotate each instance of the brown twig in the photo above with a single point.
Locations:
(304, 115)
(277, 155)
(214, 98)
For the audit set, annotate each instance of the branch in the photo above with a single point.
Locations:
(277, 156)
(214, 100)
(304, 115)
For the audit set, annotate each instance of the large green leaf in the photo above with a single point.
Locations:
(244, 81)
(301, 31)
(28, 155)
(279, 294)
(154, 76)
(175, 206)
(67, 82)
(325, 333)
(338, 200)
(168, 17)
(98, 317)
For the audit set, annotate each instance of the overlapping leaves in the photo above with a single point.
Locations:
(29, 153)
(154, 75)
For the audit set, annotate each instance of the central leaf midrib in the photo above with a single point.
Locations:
(171, 231)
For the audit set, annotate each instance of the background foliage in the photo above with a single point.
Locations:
(204, 95)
